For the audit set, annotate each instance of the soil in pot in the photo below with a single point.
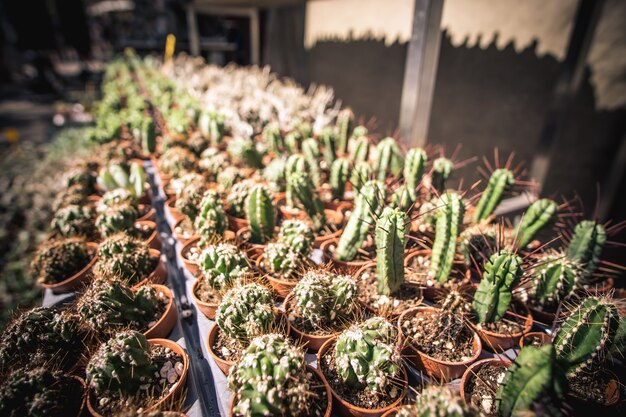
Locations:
(366, 253)
(304, 325)
(599, 388)
(70, 273)
(185, 229)
(535, 339)
(408, 296)
(418, 267)
(482, 386)
(511, 324)
(143, 230)
(205, 293)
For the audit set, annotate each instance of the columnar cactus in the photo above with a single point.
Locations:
(345, 121)
(388, 159)
(327, 137)
(121, 364)
(125, 257)
(442, 169)
(500, 181)
(260, 214)
(367, 357)
(295, 163)
(401, 198)
(493, 297)
(361, 173)
(586, 245)
(236, 199)
(555, 278)
(147, 135)
(367, 206)
(231, 175)
(297, 235)
(244, 150)
(59, 259)
(437, 401)
(538, 215)
(116, 176)
(360, 149)
(118, 218)
(246, 312)
(311, 152)
(210, 220)
(273, 138)
(414, 166)
(223, 265)
(477, 244)
(391, 230)
(448, 222)
(339, 173)
(293, 140)
(271, 379)
(73, 220)
(300, 188)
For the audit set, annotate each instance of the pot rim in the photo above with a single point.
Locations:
(78, 275)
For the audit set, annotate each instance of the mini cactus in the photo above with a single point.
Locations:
(236, 199)
(311, 152)
(414, 166)
(345, 121)
(388, 160)
(367, 356)
(59, 260)
(442, 169)
(245, 151)
(494, 294)
(554, 279)
(391, 230)
(295, 163)
(125, 257)
(211, 125)
(281, 259)
(273, 138)
(115, 197)
(210, 221)
(116, 176)
(477, 244)
(223, 265)
(448, 222)
(293, 140)
(260, 214)
(360, 150)
(298, 235)
(230, 176)
(122, 364)
(300, 188)
(213, 162)
(73, 195)
(361, 173)
(188, 203)
(117, 218)
(147, 135)
(176, 160)
(586, 245)
(74, 220)
(271, 379)
(500, 181)
(538, 215)
(274, 173)
(246, 312)
(401, 198)
(359, 132)
(367, 206)
(339, 173)
(437, 401)
(328, 139)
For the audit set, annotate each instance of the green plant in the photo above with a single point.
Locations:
(212, 162)
(210, 220)
(74, 220)
(401, 198)
(245, 151)
(414, 166)
(59, 259)
(339, 173)
(500, 181)
(117, 176)
(121, 364)
(223, 265)
(391, 230)
(231, 175)
(273, 138)
(177, 160)
(297, 235)
(361, 173)
(274, 173)
(367, 356)
(260, 214)
(271, 379)
(388, 159)
(360, 149)
(73, 195)
(327, 138)
(236, 199)
(188, 203)
(448, 223)
(211, 126)
(586, 245)
(478, 243)
(442, 169)
(147, 135)
(281, 258)
(246, 312)
(118, 218)
(293, 140)
(300, 188)
(125, 257)
(368, 206)
(345, 120)
(295, 163)
(437, 401)
(115, 197)
(493, 297)
(311, 152)
(537, 216)
(554, 279)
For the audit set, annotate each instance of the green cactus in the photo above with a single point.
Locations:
(359, 131)
(222, 265)
(74, 220)
(300, 189)
(125, 257)
(493, 297)
(246, 312)
(448, 222)
(73, 195)
(367, 357)
(297, 235)
(281, 259)
(121, 364)
(442, 169)
(554, 279)
(117, 176)
(177, 160)
(478, 244)
(328, 139)
(188, 203)
(245, 151)
(213, 162)
(260, 214)
(361, 173)
(401, 198)
(539, 215)
(58, 260)
(117, 218)
(236, 199)
(367, 208)
(230, 176)
(273, 138)
(388, 159)
(211, 126)
(83, 176)
(293, 140)
(391, 230)
(180, 184)
(586, 245)
(311, 152)
(414, 166)
(437, 401)
(339, 173)
(271, 379)
(147, 137)
(295, 163)
(210, 221)
(115, 197)
(345, 121)
(500, 181)
(360, 149)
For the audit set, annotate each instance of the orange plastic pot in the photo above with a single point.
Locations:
(347, 267)
(191, 266)
(497, 342)
(205, 308)
(163, 327)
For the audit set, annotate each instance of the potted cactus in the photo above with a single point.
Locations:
(480, 383)
(188, 205)
(205, 221)
(435, 401)
(174, 162)
(74, 220)
(236, 204)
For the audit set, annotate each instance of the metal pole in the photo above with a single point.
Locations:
(420, 71)
(192, 27)
(255, 37)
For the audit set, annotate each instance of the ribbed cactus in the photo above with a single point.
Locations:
(210, 220)
(586, 245)
(493, 297)
(300, 189)
(401, 198)
(368, 205)
(327, 138)
(293, 140)
(118, 218)
(414, 166)
(59, 259)
(236, 199)
(388, 159)
(244, 151)
(537, 216)
(281, 259)
(271, 379)
(297, 235)
(587, 335)
(147, 135)
(260, 214)
(295, 163)
(230, 176)
(554, 279)
(174, 161)
(448, 222)
(339, 173)
(360, 149)
(359, 132)
(222, 265)
(345, 121)
(121, 364)
(124, 257)
(442, 169)
(500, 181)
(391, 230)
(74, 220)
(273, 138)
(211, 125)
(311, 152)
(274, 174)
(437, 401)
(188, 202)
(361, 173)
(531, 383)
(323, 297)
(213, 162)
(367, 357)
(246, 312)
(116, 176)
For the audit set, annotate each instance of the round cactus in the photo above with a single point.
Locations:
(229, 176)
(210, 220)
(117, 218)
(222, 265)
(73, 220)
(124, 257)
(274, 173)
(437, 401)
(174, 161)
(213, 162)
(244, 151)
(298, 235)
(500, 181)
(260, 214)
(281, 259)
(188, 203)
(236, 199)
(115, 197)
(59, 259)
(246, 312)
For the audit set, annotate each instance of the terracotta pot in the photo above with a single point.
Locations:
(602, 287)
(392, 413)
(150, 214)
(612, 391)
(282, 287)
(206, 308)
(544, 337)
(310, 341)
(442, 370)
(82, 276)
(496, 342)
(158, 275)
(344, 408)
(174, 395)
(153, 240)
(224, 365)
(191, 266)
(181, 237)
(288, 213)
(544, 318)
(253, 250)
(163, 327)
(329, 396)
(236, 223)
(347, 267)
(83, 386)
(471, 371)
(172, 210)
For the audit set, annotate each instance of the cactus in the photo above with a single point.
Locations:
(297, 235)
(245, 151)
(210, 221)
(260, 214)
(494, 294)
(391, 230)
(360, 149)
(117, 218)
(236, 199)
(311, 152)
(414, 165)
(345, 120)
(367, 357)
(292, 142)
(367, 206)
(361, 173)
(222, 265)
(274, 173)
(73, 220)
(538, 215)
(554, 279)
(111, 304)
(148, 135)
(478, 244)
(116, 176)
(121, 364)
(295, 163)
(442, 169)
(188, 203)
(211, 125)
(271, 379)
(327, 137)
(281, 259)
(322, 298)
(59, 259)
(401, 198)
(74, 195)
(437, 401)
(388, 159)
(246, 312)
(359, 131)
(213, 162)
(115, 197)
(122, 256)
(230, 176)
(500, 181)
(137, 179)
(300, 188)
(339, 172)
(448, 222)
(176, 160)
(179, 184)
(84, 177)
(273, 138)
(587, 335)
(586, 245)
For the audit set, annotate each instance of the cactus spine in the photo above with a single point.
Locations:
(339, 172)
(555, 279)
(59, 259)
(260, 213)
(448, 221)
(300, 188)
(586, 245)
(222, 265)
(388, 159)
(500, 181)
(538, 215)
(414, 166)
(442, 169)
(246, 312)
(391, 230)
